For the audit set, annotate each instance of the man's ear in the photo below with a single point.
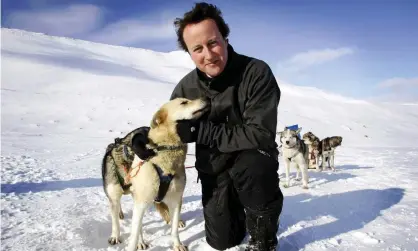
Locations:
(159, 118)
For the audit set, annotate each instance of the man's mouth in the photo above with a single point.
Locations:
(214, 63)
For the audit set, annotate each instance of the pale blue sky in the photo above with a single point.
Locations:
(362, 49)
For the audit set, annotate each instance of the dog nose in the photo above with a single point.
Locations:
(287, 141)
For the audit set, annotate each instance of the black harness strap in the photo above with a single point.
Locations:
(168, 148)
(165, 181)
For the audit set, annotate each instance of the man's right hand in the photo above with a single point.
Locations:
(139, 142)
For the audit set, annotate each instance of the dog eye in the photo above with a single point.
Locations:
(183, 103)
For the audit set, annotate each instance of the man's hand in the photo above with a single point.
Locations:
(139, 141)
(187, 130)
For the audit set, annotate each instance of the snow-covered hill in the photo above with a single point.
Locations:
(64, 100)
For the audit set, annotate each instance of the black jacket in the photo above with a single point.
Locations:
(243, 116)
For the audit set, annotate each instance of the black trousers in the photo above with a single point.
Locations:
(233, 199)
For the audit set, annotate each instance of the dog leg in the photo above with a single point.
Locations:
(322, 161)
(328, 160)
(287, 168)
(175, 208)
(305, 177)
(332, 156)
(297, 172)
(317, 162)
(304, 169)
(121, 215)
(165, 214)
(136, 239)
(114, 192)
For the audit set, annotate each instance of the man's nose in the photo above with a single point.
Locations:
(209, 55)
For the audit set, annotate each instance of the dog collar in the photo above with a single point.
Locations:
(168, 148)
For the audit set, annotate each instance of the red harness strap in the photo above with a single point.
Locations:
(129, 175)
(313, 157)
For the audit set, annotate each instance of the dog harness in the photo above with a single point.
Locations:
(312, 156)
(165, 180)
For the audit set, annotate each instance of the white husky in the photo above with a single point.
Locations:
(294, 152)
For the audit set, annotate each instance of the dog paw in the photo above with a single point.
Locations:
(180, 248)
(298, 178)
(286, 186)
(142, 246)
(305, 186)
(121, 215)
(114, 240)
(182, 224)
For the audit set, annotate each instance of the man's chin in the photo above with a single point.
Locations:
(213, 71)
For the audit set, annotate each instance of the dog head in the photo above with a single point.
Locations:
(309, 138)
(163, 124)
(288, 137)
(335, 141)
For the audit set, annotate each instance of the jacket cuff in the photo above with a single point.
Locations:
(203, 136)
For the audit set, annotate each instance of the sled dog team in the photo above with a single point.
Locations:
(304, 153)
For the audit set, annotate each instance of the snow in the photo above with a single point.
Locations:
(64, 100)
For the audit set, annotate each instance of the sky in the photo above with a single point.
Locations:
(362, 49)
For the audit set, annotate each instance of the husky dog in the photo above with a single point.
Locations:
(116, 165)
(327, 151)
(162, 178)
(313, 143)
(294, 151)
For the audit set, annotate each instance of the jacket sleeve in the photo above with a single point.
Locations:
(177, 92)
(259, 117)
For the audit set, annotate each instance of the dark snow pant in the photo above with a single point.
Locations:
(244, 198)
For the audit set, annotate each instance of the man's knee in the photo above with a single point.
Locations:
(256, 179)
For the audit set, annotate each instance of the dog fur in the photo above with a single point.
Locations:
(313, 143)
(327, 150)
(294, 151)
(146, 181)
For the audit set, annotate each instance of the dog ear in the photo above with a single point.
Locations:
(159, 118)
(279, 133)
(298, 130)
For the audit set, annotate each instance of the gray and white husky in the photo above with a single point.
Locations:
(294, 151)
(116, 166)
(327, 150)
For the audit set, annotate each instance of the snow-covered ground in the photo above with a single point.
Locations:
(64, 100)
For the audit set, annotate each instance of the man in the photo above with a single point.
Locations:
(236, 152)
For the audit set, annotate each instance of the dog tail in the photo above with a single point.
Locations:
(104, 165)
(104, 172)
(162, 208)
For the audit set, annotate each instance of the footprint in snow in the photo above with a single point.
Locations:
(365, 238)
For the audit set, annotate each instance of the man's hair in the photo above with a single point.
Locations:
(200, 12)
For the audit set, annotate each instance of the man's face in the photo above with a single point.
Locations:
(207, 47)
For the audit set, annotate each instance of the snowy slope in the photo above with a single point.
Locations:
(64, 100)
